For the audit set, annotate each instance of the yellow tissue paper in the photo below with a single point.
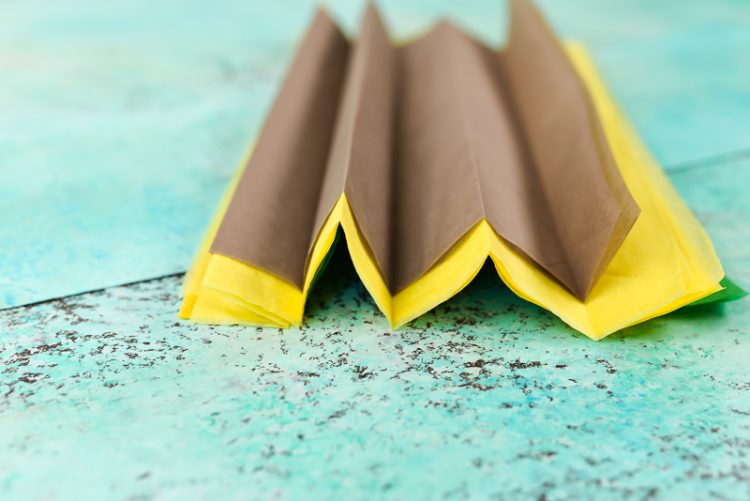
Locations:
(665, 262)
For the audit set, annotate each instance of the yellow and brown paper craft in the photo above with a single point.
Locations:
(437, 155)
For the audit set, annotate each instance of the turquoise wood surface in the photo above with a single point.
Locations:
(122, 122)
(131, 124)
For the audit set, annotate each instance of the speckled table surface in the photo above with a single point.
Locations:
(106, 395)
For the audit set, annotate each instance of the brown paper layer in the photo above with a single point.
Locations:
(270, 219)
(361, 157)
(591, 209)
(441, 139)
(425, 141)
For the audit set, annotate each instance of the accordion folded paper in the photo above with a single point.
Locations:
(437, 155)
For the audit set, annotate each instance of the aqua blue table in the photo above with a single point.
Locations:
(120, 125)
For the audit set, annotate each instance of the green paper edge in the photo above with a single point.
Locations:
(730, 292)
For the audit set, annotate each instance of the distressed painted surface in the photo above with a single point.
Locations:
(122, 121)
(108, 395)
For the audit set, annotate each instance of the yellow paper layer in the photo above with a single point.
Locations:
(667, 260)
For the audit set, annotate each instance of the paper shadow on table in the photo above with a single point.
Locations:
(338, 293)
(486, 305)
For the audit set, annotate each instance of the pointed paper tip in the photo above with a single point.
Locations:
(515, 4)
(445, 23)
(372, 9)
(517, 10)
(324, 18)
(322, 13)
(443, 27)
(372, 14)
